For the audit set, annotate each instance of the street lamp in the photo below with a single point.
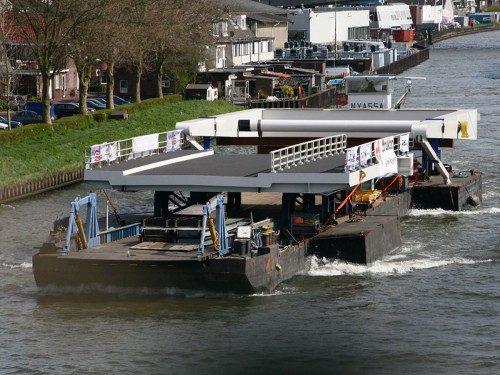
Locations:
(335, 53)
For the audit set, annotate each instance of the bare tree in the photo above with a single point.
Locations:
(84, 51)
(181, 35)
(141, 17)
(7, 71)
(48, 27)
(116, 39)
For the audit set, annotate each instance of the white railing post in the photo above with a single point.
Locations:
(306, 152)
(124, 150)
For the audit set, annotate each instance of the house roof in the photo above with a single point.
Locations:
(267, 18)
(301, 70)
(257, 11)
(275, 74)
(198, 86)
(250, 7)
(306, 3)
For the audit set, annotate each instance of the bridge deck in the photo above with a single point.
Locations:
(219, 172)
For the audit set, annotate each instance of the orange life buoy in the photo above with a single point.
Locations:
(298, 220)
(342, 99)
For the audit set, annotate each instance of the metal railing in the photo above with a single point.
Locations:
(116, 234)
(367, 154)
(305, 152)
(107, 153)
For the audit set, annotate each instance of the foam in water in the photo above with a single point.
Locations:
(24, 265)
(441, 212)
(7, 206)
(280, 292)
(394, 265)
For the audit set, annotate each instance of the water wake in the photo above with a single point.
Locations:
(389, 266)
(278, 292)
(441, 212)
(24, 265)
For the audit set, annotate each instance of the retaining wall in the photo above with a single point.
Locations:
(405, 63)
(39, 186)
(323, 99)
(438, 36)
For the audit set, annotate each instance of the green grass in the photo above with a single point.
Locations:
(35, 152)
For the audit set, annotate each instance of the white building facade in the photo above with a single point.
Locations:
(328, 25)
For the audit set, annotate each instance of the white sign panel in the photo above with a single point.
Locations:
(173, 140)
(386, 157)
(145, 143)
(105, 152)
(365, 153)
(352, 160)
(404, 143)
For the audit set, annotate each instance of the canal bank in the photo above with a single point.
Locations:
(32, 188)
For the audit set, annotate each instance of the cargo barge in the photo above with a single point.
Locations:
(244, 210)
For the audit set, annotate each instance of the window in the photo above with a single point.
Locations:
(123, 87)
(243, 22)
(220, 28)
(358, 32)
(56, 81)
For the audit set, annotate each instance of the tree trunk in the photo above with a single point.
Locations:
(8, 101)
(159, 78)
(84, 91)
(138, 76)
(110, 87)
(46, 101)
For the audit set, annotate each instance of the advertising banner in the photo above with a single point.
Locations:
(386, 157)
(173, 140)
(352, 160)
(145, 143)
(365, 154)
(404, 143)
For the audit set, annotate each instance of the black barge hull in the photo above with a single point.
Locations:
(262, 271)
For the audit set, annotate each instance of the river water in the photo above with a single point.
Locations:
(433, 307)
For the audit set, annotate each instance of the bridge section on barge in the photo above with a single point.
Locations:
(311, 151)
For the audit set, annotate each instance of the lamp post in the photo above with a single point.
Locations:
(335, 35)
(9, 83)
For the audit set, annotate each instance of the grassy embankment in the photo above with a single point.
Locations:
(35, 152)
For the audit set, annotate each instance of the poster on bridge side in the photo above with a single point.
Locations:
(385, 155)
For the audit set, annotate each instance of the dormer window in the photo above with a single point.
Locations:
(241, 21)
(220, 28)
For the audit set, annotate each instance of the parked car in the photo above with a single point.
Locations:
(94, 104)
(89, 110)
(27, 117)
(100, 100)
(65, 109)
(17, 102)
(117, 100)
(3, 126)
(13, 124)
(37, 107)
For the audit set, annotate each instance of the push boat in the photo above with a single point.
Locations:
(244, 210)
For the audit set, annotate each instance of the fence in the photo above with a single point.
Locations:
(306, 152)
(405, 63)
(132, 148)
(323, 99)
(39, 186)
(120, 233)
